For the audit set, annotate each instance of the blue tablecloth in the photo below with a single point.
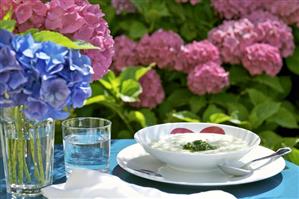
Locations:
(283, 186)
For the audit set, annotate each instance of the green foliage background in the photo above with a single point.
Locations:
(266, 105)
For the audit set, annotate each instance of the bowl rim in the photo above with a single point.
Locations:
(245, 149)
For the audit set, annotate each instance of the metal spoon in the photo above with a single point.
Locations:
(238, 168)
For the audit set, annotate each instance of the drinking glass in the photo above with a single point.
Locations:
(86, 143)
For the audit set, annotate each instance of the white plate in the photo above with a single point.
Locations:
(134, 157)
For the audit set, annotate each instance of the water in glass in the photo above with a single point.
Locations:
(87, 151)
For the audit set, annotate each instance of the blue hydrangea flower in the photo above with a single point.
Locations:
(55, 92)
(11, 73)
(46, 78)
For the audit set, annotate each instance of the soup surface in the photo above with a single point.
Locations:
(219, 143)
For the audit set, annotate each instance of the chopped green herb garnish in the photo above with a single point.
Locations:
(198, 145)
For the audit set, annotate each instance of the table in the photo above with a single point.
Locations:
(283, 186)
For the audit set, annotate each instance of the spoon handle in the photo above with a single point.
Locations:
(279, 152)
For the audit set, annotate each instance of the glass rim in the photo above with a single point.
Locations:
(65, 122)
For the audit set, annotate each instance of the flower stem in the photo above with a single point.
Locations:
(40, 159)
(14, 161)
(31, 142)
(20, 147)
(28, 177)
(10, 161)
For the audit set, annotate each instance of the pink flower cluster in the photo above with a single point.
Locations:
(287, 10)
(152, 91)
(161, 47)
(273, 31)
(234, 9)
(167, 50)
(193, 2)
(29, 14)
(77, 19)
(196, 53)
(207, 78)
(259, 58)
(123, 6)
(84, 21)
(231, 37)
(234, 38)
(125, 53)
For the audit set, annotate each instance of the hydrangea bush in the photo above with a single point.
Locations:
(220, 61)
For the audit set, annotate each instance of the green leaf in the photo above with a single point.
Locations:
(223, 98)
(176, 99)
(130, 90)
(150, 117)
(98, 99)
(211, 109)
(296, 34)
(144, 117)
(272, 82)
(257, 97)
(8, 25)
(293, 61)
(137, 30)
(238, 109)
(270, 139)
(185, 116)
(196, 103)
(179, 97)
(30, 31)
(286, 83)
(134, 73)
(59, 39)
(237, 74)
(110, 82)
(219, 118)
(188, 31)
(176, 9)
(263, 111)
(284, 118)
(294, 155)
(138, 117)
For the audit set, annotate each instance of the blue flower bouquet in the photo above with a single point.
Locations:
(43, 76)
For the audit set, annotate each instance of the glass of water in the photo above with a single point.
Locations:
(86, 143)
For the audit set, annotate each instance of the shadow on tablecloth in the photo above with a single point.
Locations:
(245, 190)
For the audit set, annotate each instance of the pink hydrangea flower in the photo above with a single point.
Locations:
(125, 53)
(152, 91)
(234, 9)
(287, 10)
(207, 78)
(123, 6)
(161, 47)
(196, 53)
(29, 14)
(273, 31)
(259, 58)
(83, 21)
(193, 2)
(231, 37)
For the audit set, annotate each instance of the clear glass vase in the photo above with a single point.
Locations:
(28, 152)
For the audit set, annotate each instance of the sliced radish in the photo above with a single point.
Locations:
(213, 129)
(181, 130)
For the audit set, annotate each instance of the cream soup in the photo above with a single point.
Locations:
(222, 143)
